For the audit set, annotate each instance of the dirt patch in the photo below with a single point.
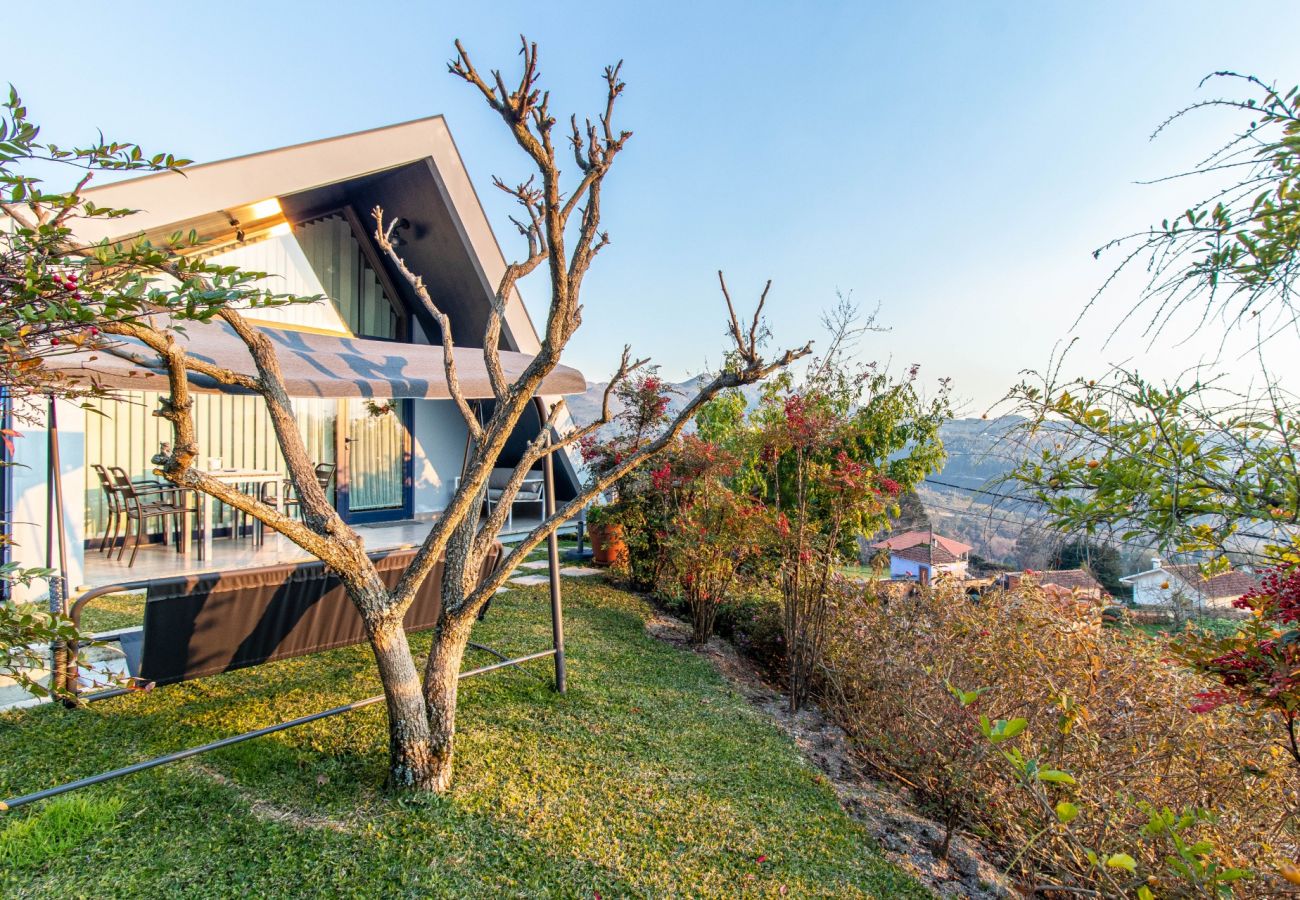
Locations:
(908, 838)
(270, 812)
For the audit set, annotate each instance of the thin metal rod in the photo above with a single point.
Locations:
(182, 754)
(58, 582)
(553, 556)
(509, 662)
(235, 739)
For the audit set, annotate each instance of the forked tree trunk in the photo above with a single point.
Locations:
(441, 685)
(411, 762)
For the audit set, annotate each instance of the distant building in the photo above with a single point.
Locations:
(1077, 582)
(924, 555)
(1166, 584)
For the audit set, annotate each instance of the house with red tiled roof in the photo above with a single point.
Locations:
(907, 539)
(1168, 584)
(924, 555)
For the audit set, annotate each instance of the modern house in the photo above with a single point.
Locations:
(924, 555)
(302, 214)
(1167, 584)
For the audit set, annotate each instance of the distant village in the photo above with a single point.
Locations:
(923, 557)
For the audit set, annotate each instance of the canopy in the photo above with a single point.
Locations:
(313, 365)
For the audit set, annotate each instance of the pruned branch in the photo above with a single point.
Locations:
(383, 236)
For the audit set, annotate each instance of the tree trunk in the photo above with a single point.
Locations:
(441, 684)
(411, 762)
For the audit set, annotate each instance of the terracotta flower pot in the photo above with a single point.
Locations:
(607, 545)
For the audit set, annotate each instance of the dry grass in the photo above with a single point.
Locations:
(1101, 704)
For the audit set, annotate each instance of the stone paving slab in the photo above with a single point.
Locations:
(527, 580)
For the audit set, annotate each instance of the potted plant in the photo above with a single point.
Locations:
(607, 543)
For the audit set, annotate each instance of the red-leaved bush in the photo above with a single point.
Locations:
(1258, 667)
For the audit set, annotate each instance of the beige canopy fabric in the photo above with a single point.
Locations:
(313, 365)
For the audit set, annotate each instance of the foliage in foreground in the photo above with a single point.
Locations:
(1071, 744)
(649, 778)
(1257, 667)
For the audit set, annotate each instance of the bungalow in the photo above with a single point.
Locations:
(1166, 584)
(302, 215)
(924, 555)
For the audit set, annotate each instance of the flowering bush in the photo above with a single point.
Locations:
(644, 402)
(1258, 667)
(828, 494)
(709, 538)
(1024, 719)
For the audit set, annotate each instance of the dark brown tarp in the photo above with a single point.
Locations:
(200, 625)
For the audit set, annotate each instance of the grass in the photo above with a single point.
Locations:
(112, 612)
(862, 572)
(650, 778)
(55, 829)
(1218, 627)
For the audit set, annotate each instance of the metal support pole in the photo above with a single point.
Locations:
(553, 555)
(60, 674)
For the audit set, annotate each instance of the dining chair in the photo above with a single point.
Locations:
(144, 502)
(113, 506)
(289, 499)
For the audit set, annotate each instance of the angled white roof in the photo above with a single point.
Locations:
(165, 199)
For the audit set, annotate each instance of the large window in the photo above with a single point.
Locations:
(346, 276)
(320, 256)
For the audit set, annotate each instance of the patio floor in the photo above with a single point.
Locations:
(157, 561)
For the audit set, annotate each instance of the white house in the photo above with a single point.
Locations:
(302, 214)
(1167, 584)
(924, 555)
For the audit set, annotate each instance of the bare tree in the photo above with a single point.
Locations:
(422, 713)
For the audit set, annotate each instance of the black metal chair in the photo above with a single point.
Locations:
(325, 474)
(112, 503)
(146, 502)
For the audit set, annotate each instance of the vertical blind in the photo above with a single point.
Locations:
(237, 429)
(346, 277)
(376, 457)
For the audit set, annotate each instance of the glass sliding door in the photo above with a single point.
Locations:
(376, 482)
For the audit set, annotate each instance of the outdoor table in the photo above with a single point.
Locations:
(230, 476)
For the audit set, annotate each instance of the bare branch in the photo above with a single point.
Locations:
(383, 236)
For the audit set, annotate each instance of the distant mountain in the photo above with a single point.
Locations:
(586, 407)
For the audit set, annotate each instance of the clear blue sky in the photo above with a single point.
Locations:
(956, 162)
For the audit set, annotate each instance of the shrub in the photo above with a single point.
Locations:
(1258, 665)
(1072, 745)
(708, 540)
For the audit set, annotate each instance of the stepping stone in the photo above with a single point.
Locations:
(527, 580)
(535, 564)
(579, 571)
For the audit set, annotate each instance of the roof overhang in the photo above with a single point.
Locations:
(312, 365)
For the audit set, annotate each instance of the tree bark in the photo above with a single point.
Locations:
(441, 686)
(411, 761)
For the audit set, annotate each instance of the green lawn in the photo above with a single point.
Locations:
(650, 778)
(1216, 627)
(863, 572)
